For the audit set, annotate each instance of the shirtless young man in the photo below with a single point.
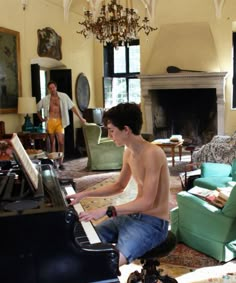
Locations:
(56, 107)
(141, 224)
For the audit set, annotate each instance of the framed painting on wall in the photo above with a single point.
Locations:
(10, 75)
(49, 43)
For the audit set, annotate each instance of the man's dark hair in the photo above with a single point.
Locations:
(125, 114)
(51, 82)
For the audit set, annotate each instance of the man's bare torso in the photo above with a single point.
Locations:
(54, 109)
(139, 166)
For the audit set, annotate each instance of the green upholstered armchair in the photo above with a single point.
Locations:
(215, 175)
(205, 227)
(102, 152)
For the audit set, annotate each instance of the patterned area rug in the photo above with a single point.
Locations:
(183, 260)
(182, 255)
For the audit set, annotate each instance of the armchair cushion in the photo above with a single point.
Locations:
(215, 175)
(212, 183)
(209, 169)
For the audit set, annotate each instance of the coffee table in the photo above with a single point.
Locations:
(166, 143)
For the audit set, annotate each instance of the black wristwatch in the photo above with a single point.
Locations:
(111, 211)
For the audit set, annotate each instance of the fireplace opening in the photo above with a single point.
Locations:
(191, 113)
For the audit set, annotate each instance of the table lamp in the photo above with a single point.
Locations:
(27, 105)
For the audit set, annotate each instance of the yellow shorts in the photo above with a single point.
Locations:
(54, 126)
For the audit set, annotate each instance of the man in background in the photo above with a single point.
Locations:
(56, 107)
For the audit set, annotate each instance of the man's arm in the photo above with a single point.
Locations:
(152, 164)
(39, 107)
(76, 112)
(40, 117)
(109, 190)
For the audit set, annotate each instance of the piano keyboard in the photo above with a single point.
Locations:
(88, 228)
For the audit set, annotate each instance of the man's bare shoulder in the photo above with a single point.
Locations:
(153, 149)
(152, 153)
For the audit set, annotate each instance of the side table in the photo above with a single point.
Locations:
(166, 143)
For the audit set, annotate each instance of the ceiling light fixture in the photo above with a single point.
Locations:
(115, 24)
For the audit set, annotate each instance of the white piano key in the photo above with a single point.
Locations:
(87, 226)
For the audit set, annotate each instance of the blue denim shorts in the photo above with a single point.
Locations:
(133, 234)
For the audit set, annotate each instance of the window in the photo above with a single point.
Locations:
(121, 70)
(43, 88)
(43, 83)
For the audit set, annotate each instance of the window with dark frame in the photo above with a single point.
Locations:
(234, 71)
(121, 70)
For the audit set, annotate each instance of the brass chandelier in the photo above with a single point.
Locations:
(115, 24)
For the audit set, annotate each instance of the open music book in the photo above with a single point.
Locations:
(24, 160)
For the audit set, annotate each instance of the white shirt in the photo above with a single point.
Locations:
(65, 105)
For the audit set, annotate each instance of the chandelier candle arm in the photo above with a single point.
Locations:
(114, 23)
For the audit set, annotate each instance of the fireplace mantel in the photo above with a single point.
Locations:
(184, 80)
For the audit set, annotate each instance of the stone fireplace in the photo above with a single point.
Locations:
(184, 103)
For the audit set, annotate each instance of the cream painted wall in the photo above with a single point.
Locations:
(86, 56)
(77, 53)
(188, 14)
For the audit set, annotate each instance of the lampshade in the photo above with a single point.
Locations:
(27, 105)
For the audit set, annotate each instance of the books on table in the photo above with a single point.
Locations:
(176, 138)
(200, 192)
(224, 192)
(216, 197)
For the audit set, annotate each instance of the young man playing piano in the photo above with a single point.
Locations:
(141, 224)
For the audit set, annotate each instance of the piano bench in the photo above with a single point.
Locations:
(149, 261)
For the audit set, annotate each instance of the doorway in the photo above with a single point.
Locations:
(63, 79)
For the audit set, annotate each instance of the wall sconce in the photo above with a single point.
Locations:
(27, 105)
(24, 4)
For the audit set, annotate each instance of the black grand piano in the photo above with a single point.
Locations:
(41, 239)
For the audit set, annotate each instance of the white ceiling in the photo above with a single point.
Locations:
(76, 6)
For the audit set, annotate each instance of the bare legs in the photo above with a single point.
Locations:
(60, 142)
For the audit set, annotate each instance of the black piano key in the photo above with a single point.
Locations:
(7, 195)
(3, 182)
(80, 235)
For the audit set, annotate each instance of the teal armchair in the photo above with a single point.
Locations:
(215, 175)
(102, 152)
(205, 227)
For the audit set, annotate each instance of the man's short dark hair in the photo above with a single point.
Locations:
(51, 82)
(125, 114)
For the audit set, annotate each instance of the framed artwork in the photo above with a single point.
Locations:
(10, 75)
(49, 43)
(82, 92)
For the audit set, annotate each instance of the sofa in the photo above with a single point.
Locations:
(204, 227)
(221, 149)
(215, 175)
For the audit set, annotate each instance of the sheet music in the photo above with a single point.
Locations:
(29, 167)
